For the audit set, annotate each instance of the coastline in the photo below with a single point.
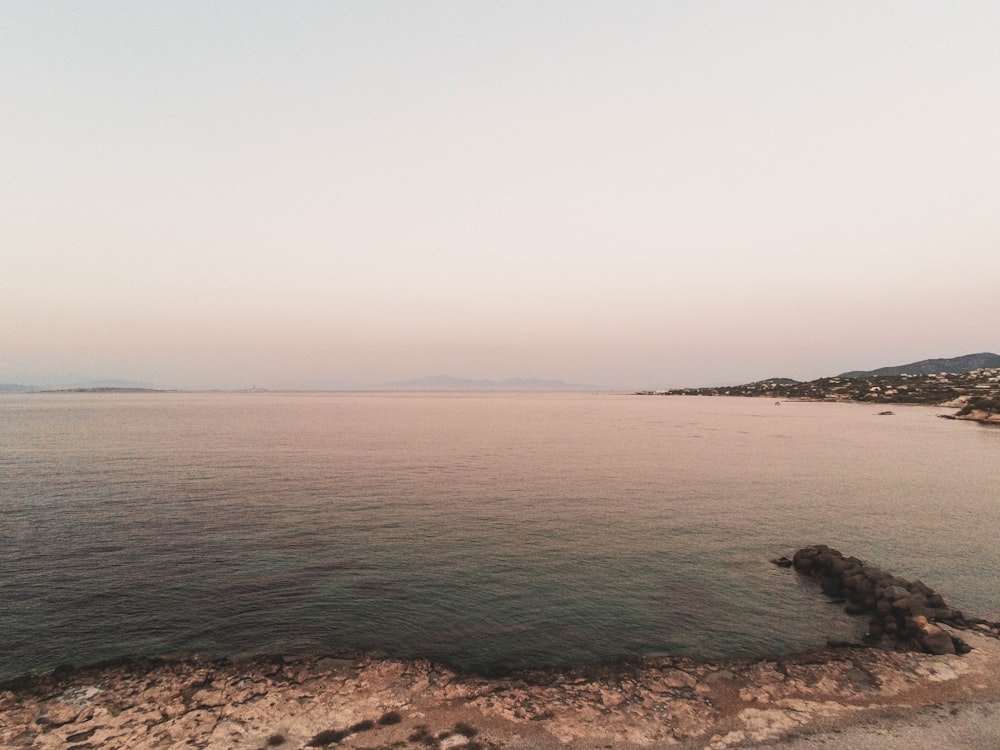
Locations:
(981, 416)
(975, 392)
(352, 701)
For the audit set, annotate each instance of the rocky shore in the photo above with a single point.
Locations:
(983, 410)
(360, 701)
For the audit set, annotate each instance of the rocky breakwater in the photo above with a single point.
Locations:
(904, 614)
(983, 409)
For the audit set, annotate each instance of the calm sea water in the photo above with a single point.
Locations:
(483, 530)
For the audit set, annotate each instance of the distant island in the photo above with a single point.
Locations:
(18, 388)
(84, 386)
(965, 363)
(962, 382)
(105, 389)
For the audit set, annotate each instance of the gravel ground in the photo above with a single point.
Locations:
(966, 726)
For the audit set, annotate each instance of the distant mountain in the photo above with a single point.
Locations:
(448, 383)
(966, 363)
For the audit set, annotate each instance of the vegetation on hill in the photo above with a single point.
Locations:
(965, 363)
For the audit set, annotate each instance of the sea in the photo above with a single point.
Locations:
(485, 531)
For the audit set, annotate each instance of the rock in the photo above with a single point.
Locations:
(892, 604)
(857, 582)
(840, 566)
(933, 639)
(678, 679)
(922, 587)
(918, 604)
(894, 593)
(715, 677)
(81, 736)
(803, 559)
(902, 606)
(61, 713)
(961, 647)
(824, 559)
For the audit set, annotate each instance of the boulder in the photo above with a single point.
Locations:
(917, 603)
(894, 593)
(932, 639)
(898, 610)
(803, 558)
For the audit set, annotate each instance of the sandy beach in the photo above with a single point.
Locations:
(838, 697)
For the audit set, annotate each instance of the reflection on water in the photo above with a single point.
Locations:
(481, 529)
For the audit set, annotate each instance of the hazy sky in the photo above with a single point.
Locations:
(631, 194)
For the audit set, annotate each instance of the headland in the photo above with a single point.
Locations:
(975, 393)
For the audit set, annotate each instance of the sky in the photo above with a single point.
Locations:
(627, 194)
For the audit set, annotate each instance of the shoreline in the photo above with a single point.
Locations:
(913, 679)
(650, 702)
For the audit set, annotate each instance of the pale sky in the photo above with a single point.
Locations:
(629, 194)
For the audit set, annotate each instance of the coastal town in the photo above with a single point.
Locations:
(974, 390)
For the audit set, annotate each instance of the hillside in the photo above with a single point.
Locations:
(978, 388)
(965, 363)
